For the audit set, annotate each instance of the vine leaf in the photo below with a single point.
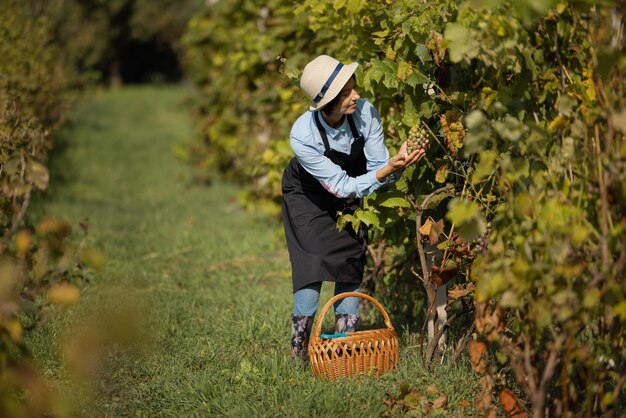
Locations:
(368, 218)
(432, 230)
(478, 361)
(467, 217)
(510, 404)
(461, 44)
(392, 199)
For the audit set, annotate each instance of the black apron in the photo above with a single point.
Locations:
(318, 251)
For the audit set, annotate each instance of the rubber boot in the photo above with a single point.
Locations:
(300, 331)
(346, 323)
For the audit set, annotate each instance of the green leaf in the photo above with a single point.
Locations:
(501, 357)
(467, 217)
(620, 309)
(344, 220)
(417, 78)
(395, 202)
(390, 71)
(461, 211)
(374, 73)
(485, 166)
(591, 298)
(510, 128)
(355, 6)
(461, 44)
(436, 200)
(367, 217)
(339, 4)
(567, 104)
(423, 53)
(410, 116)
(472, 229)
(490, 285)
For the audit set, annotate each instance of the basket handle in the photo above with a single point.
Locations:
(317, 331)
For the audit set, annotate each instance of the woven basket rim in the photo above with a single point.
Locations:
(317, 329)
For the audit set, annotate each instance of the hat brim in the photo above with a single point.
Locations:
(342, 78)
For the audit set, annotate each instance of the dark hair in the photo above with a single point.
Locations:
(328, 109)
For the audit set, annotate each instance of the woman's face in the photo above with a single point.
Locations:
(347, 99)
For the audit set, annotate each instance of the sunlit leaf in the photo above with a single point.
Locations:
(368, 218)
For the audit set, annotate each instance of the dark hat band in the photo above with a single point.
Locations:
(328, 83)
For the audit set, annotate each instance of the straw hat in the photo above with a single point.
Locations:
(323, 78)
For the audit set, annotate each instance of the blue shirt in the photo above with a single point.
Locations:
(307, 145)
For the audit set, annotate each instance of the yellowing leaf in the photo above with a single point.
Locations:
(559, 122)
(23, 242)
(426, 227)
(405, 69)
(442, 174)
(390, 54)
(620, 309)
(38, 175)
(381, 34)
(92, 258)
(63, 294)
(15, 329)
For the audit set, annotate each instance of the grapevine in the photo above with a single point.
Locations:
(528, 117)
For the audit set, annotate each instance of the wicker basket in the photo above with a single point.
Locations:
(370, 352)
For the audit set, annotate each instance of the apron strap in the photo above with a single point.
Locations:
(322, 131)
(355, 133)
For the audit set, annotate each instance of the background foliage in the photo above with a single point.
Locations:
(525, 105)
(51, 52)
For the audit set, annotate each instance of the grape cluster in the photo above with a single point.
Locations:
(417, 138)
(482, 242)
(481, 245)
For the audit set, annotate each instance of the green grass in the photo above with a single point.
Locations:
(212, 282)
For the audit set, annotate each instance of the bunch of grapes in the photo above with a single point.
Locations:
(481, 245)
(417, 138)
(483, 242)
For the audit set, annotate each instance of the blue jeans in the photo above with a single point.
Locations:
(306, 300)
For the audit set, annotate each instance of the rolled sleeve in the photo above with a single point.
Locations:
(306, 145)
(330, 175)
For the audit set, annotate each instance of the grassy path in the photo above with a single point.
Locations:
(213, 280)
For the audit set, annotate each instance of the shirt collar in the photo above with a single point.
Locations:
(333, 132)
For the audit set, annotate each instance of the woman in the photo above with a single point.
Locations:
(340, 156)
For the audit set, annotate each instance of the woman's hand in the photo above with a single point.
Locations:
(402, 160)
